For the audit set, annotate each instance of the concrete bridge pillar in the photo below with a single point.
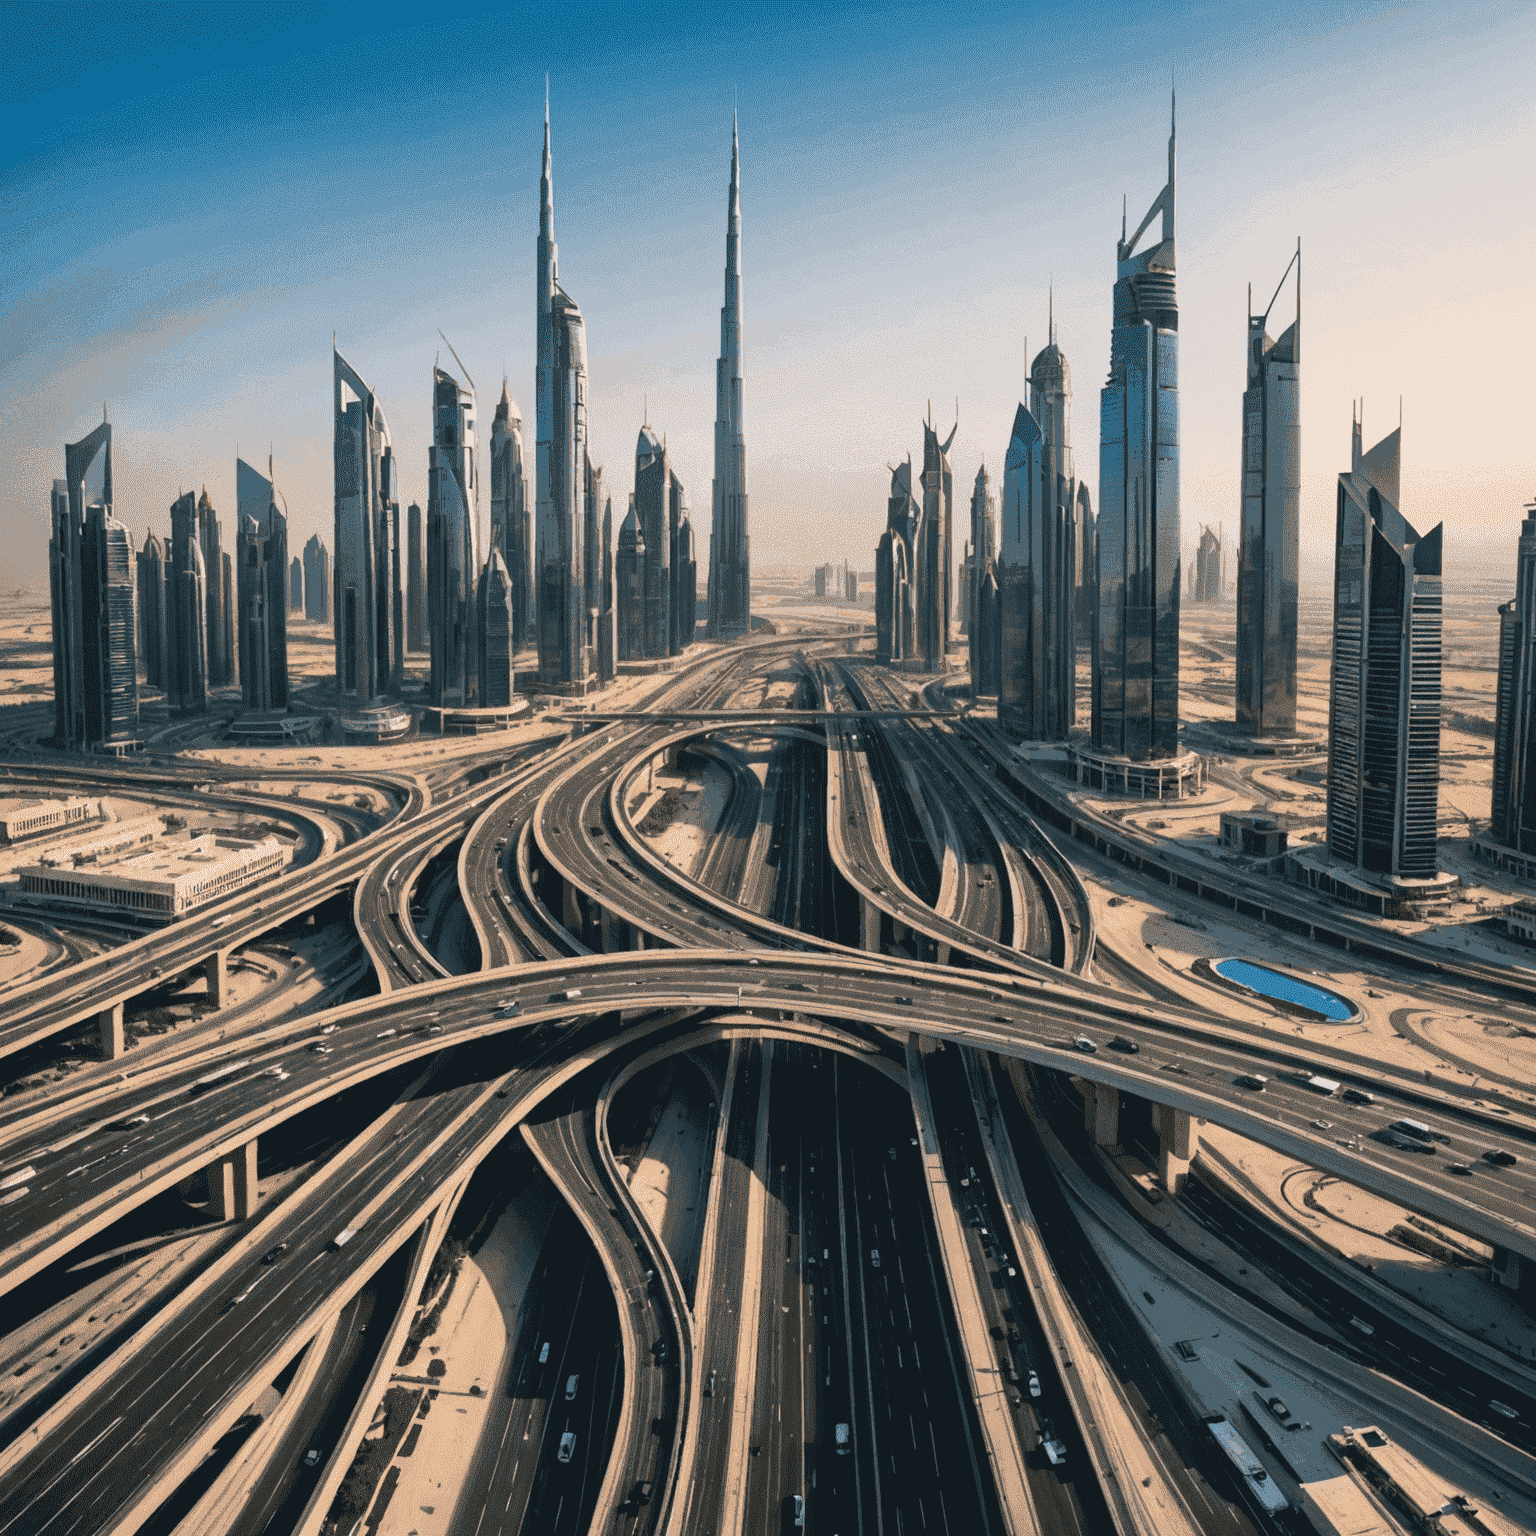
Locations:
(1505, 1269)
(869, 926)
(232, 1185)
(1177, 1141)
(216, 967)
(1106, 1119)
(110, 1022)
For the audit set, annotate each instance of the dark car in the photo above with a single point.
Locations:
(1120, 1043)
(798, 986)
(1463, 1169)
(1500, 1158)
(903, 999)
(272, 1255)
(1358, 1096)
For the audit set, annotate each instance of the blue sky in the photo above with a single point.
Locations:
(197, 196)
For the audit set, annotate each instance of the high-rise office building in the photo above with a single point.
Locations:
(1039, 561)
(1205, 582)
(415, 582)
(895, 572)
(629, 589)
(296, 585)
(510, 530)
(685, 576)
(186, 613)
(730, 562)
(653, 482)
(91, 581)
(1384, 698)
(606, 638)
(222, 660)
(1087, 560)
(365, 561)
(1270, 538)
(560, 469)
(453, 499)
(1513, 818)
(261, 549)
(230, 650)
(591, 557)
(935, 562)
(317, 580)
(497, 645)
(981, 560)
(1135, 710)
(150, 567)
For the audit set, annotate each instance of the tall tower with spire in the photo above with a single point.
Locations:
(509, 510)
(1136, 648)
(730, 563)
(565, 664)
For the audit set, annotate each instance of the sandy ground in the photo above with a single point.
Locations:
(1354, 1225)
(474, 1340)
(696, 799)
(670, 1181)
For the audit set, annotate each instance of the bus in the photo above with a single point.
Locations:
(1256, 1482)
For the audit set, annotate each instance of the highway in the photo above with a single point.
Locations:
(888, 882)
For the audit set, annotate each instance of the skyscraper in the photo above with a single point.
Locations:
(591, 557)
(1136, 650)
(453, 498)
(317, 580)
(685, 576)
(261, 547)
(227, 646)
(91, 581)
(1037, 575)
(1270, 533)
(496, 643)
(510, 532)
(415, 583)
(186, 613)
(220, 657)
(606, 638)
(935, 563)
(363, 576)
(1206, 585)
(1513, 818)
(629, 589)
(561, 448)
(730, 563)
(1384, 698)
(151, 574)
(895, 595)
(653, 482)
(295, 585)
(980, 561)
(1087, 560)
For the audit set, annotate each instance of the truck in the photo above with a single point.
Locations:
(1327, 1086)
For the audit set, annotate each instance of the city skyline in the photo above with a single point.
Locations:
(663, 347)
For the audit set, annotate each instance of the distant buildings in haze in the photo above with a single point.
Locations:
(317, 580)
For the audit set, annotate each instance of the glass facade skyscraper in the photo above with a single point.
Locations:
(261, 553)
(452, 558)
(1384, 698)
(1513, 818)
(1135, 709)
(1270, 540)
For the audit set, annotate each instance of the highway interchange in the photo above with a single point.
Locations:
(885, 895)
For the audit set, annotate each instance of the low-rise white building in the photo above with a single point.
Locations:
(33, 817)
(162, 883)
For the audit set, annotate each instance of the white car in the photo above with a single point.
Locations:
(567, 1445)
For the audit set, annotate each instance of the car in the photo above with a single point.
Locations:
(902, 999)
(1055, 1450)
(384, 1034)
(1129, 1047)
(1084, 1044)
(312, 1456)
(330, 1029)
(1253, 1080)
(1278, 1408)
(890, 1152)
(571, 1383)
(276, 1071)
(1502, 1408)
(709, 1385)
(272, 1255)
(1463, 1169)
(842, 1436)
(430, 1029)
(1357, 1096)
(218, 922)
(1034, 1384)
(1500, 1158)
(320, 1048)
(1361, 1326)
(797, 1509)
(1323, 1125)
(568, 996)
(1407, 1143)
(567, 1445)
(874, 1258)
(544, 1353)
(512, 1007)
(798, 986)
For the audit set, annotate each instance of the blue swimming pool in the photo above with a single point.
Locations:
(1268, 983)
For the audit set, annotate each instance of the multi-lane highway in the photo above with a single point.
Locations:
(882, 886)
